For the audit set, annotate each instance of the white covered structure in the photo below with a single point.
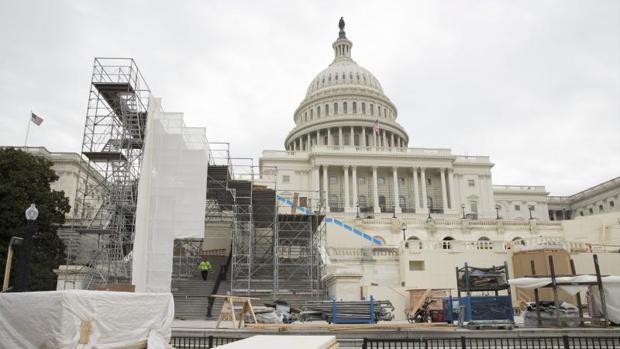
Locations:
(171, 195)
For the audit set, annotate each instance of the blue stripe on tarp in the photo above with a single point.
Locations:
(332, 220)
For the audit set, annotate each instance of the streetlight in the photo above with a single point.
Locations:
(357, 206)
(21, 283)
(403, 227)
(497, 207)
(15, 241)
(463, 210)
(393, 211)
(429, 219)
(531, 208)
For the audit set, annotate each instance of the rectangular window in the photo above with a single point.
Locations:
(333, 180)
(361, 180)
(381, 180)
(473, 206)
(591, 211)
(428, 181)
(416, 265)
(401, 180)
(471, 183)
(611, 204)
(600, 208)
(286, 179)
(517, 207)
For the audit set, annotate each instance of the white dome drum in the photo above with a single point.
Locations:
(347, 98)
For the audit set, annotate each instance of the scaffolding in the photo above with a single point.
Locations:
(277, 241)
(113, 146)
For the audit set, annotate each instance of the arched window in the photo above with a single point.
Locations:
(362, 201)
(484, 243)
(382, 202)
(372, 109)
(305, 116)
(335, 108)
(518, 241)
(354, 107)
(330, 78)
(402, 202)
(333, 200)
(363, 108)
(344, 107)
(326, 109)
(446, 243)
(336, 77)
(311, 114)
(384, 113)
(414, 242)
(318, 111)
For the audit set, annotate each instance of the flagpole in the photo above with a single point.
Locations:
(28, 129)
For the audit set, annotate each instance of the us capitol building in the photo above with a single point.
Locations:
(399, 217)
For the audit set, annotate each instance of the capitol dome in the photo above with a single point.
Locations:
(345, 96)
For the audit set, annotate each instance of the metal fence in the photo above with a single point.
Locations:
(564, 342)
(200, 342)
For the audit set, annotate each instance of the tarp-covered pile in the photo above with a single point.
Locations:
(85, 319)
(482, 278)
(576, 284)
(569, 314)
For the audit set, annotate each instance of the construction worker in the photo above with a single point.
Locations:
(204, 268)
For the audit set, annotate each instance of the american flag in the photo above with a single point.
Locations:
(37, 120)
(376, 127)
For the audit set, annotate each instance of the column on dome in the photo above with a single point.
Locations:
(363, 141)
(375, 190)
(416, 190)
(355, 200)
(308, 144)
(317, 138)
(444, 194)
(352, 137)
(325, 188)
(374, 139)
(424, 200)
(451, 189)
(384, 134)
(392, 140)
(396, 195)
(329, 136)
(340, 140)
(347, 201)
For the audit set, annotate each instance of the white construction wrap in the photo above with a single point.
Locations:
(80, 319)
(611, 289)
(171, 195)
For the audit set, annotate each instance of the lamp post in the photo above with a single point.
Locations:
(15, 241)
(429, 219)
(463, 210)
(393, 211)
(23, 263)
(357, 206)
(530, 208)
(497, 207)
(403, 227)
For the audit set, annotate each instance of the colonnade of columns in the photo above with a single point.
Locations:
(420, 195)
(365, 138)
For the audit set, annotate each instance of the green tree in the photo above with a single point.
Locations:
(25, 179)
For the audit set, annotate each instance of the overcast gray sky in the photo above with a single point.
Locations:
(533, 84)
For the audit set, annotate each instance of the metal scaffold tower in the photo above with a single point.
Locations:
(113, 146)
(277, 242)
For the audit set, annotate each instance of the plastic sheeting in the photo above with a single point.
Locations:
(63, 319)
(611, 289)
(171, 195)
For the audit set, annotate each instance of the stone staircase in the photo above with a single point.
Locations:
(191, 296)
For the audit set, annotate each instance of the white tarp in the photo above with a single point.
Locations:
(611, 289)
(53, 319)
(171, 195)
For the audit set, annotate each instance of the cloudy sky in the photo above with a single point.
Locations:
(533, 84)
